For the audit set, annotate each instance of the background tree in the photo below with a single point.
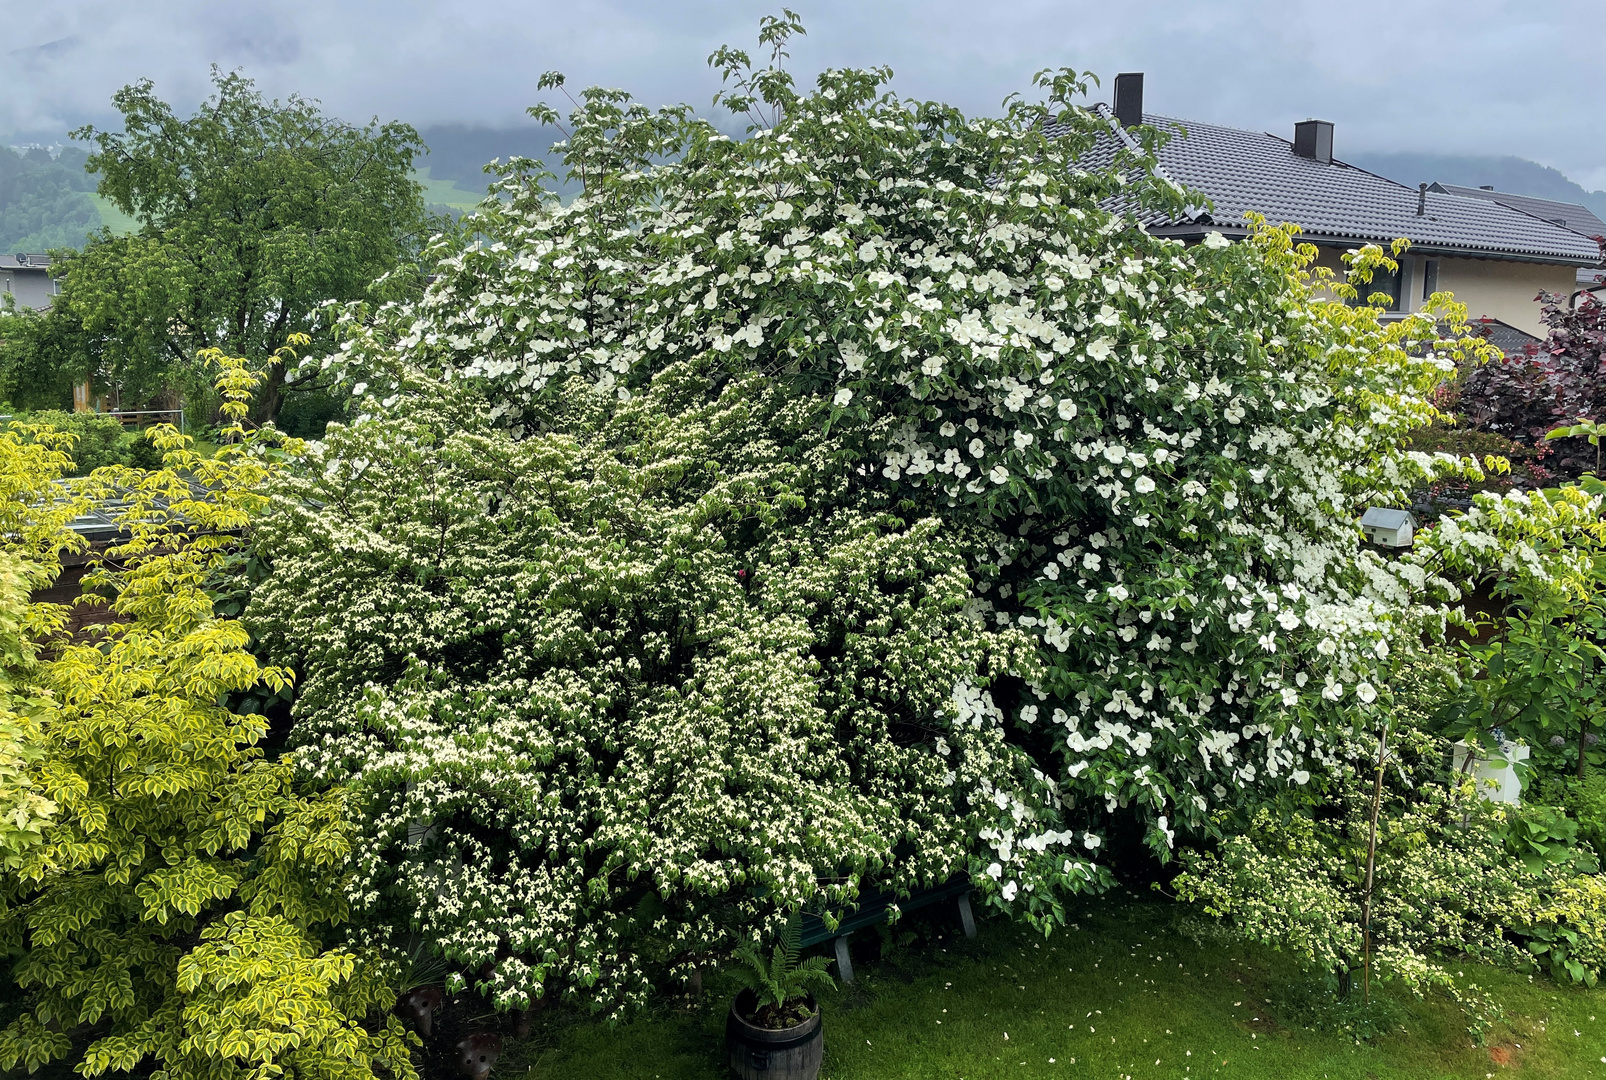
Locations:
(40, 358)
(252, 214)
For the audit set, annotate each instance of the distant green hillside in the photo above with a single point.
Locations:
(48, 202)
(113, 218)
(44, 200)
(43, 212)
(459, 152)
(448, 194)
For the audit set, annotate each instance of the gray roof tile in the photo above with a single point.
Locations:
(1505, 337)
(1250, 171)
(1574, 216)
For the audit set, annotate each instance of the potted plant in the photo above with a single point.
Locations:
(773, 1031)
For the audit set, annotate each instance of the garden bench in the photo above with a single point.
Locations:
(874, 908)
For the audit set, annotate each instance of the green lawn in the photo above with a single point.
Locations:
(113, 218)
(450, 192)
(1124, 994)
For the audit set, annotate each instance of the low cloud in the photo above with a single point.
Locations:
(1470, 76)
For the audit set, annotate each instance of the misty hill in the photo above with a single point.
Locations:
(1514, 175)
(45, 200)
(459, 152)
(48, 202)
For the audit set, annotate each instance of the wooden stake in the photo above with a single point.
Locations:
(1371, 864)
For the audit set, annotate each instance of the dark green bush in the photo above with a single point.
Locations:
(100, 439)
(1584, 801)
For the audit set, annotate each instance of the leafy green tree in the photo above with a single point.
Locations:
(38, 358)
(172, 913)
(252, 214)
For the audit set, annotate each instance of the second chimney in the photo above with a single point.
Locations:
(1129, 98)
(1314, 139)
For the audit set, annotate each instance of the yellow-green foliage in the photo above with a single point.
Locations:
(1568, 928)
(23, 811)
(172, 916)
(34, 512)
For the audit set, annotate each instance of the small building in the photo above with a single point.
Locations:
(26, 279)
(1388, 528)
(1496, 258)
(1505, 337)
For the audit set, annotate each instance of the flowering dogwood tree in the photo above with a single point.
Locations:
(690, 543)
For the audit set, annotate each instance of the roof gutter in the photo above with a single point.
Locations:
(1191, 231)
(1572, 301)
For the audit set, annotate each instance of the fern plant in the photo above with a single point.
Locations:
(780, 984)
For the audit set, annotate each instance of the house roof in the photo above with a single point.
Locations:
(1574, 216)
(1503, 336)
(1337, 203)
(24, 261)
(1591, 276)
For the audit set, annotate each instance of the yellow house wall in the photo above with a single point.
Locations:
(1332, 259)
(1500, 289)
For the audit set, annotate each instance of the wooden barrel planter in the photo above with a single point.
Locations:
(757, 1053)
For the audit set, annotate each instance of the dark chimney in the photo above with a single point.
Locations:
(1421, 199)
(1129, 98)
(1485, 187)
(1314, 139)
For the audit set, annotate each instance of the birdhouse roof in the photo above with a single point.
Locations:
(1378, 517)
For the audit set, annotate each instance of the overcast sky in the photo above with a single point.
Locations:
(1520, 77)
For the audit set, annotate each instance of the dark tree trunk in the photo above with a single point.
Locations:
(270, 395)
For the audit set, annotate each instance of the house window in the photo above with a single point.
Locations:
(1430, 277)
(1382, 282)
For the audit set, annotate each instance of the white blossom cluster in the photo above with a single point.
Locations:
(1154, 452)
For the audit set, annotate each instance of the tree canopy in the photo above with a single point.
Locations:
(252, 214)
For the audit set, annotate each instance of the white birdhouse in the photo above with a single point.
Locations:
(1388, 528)
(1492, 769)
